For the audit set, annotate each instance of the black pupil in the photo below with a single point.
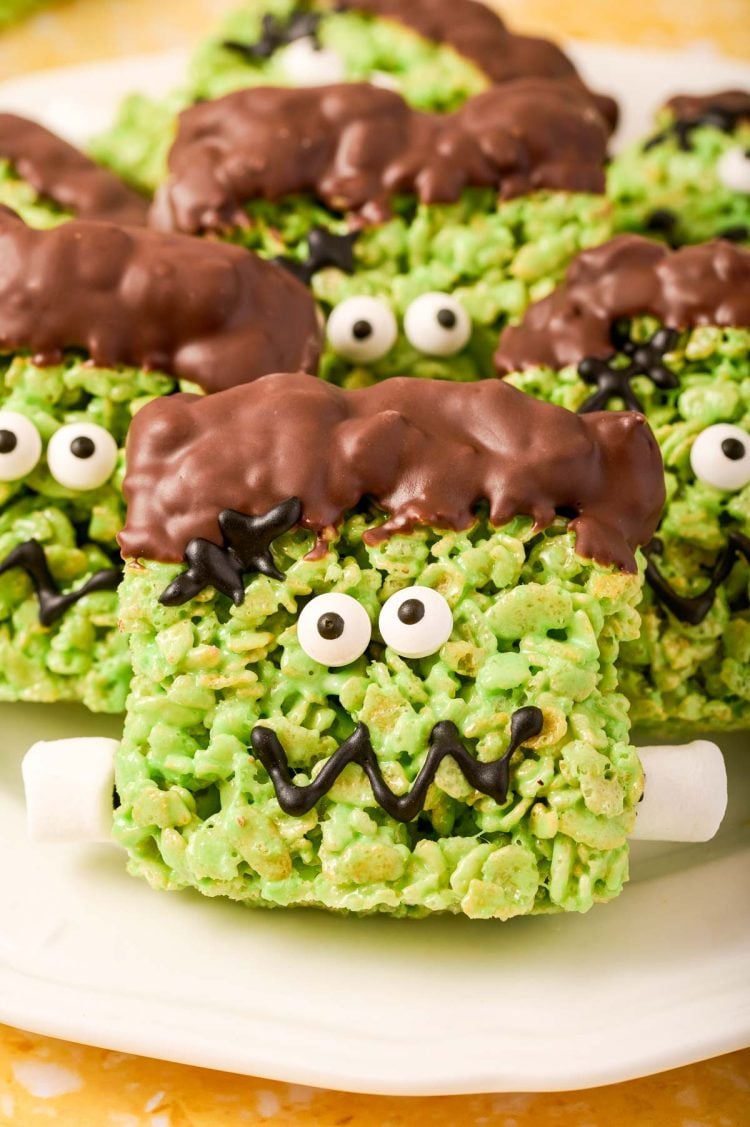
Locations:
(733, 449)
(8, 441)
(361, 330)
(82, 447)
(446, 318)
(411, 611)
(330, 626)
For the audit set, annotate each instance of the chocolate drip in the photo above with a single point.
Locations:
(201, 311)
(477, 33)
(646, 359)
(66, 176)
(625, 278)
(694, 609)
(277, 33)
(424, 451)
(723, 110)
(246, 548)
(354, 147)
(323, 249)
(492, 779)
(30, 557)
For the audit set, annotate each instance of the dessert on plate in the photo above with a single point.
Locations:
(95, 320)
(667, 332)
(689, 181)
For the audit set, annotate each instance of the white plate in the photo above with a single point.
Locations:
(658, 979)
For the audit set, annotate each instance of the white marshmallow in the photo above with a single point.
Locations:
(685, 793)
(70, 789)
(304, 64)
(734, 170)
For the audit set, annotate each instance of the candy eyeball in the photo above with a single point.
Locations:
(734, 170)
(306, 64)
(81, 456)
(334, 629)
(437, 324)
(20, 446)
(720, 456)
(416, 622)
(362, 329)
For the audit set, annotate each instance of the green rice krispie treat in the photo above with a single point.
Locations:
(422, 234)
(436, 53)
(667, 332)
(375, 659)
(46, 181)
(11, 11)
(690, 181)
(95, 320)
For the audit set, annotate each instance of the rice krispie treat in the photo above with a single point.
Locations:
(421, 234)
(667, 332)
(375, 660)
(46, 180)
(689, 181)
(13, 10)
(95, 320)
(436, 53)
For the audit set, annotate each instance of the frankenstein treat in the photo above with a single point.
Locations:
(422, 234)
(436, 53)
(667, 332)
(95, 320)
(46, 180)
(689, 181)
(375, 660)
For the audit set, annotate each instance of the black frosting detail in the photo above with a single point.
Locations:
(720, 117)
(646, 359)
(693, 610)
(492, 779)
(30, 557)
(246, 548)
(324, 248)
(738, 234)
(278, 33)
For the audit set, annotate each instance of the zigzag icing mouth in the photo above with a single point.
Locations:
(31, 558)
(492, 779)
(694, 610)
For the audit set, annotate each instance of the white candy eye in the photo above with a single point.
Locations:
(416, 621)
(734, 170)
(362, 329)
(721, 457)
(81, 456)
(437, 324)
(304, 64)
(334, 629)
(20, 446)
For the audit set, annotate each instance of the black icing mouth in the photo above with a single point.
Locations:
(277, 33)
(719, 117)
(492, 779)
(646, 359)
(30, 557)
(694, 610)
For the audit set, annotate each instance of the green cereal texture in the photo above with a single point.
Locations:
(685, 183)
(13, 10)
(694, 678)
(429, 76)
(16, 194)
(82, 656)
(495, 258)
(534, 625)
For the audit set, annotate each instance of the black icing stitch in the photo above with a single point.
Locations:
(682, 128)
(246, 548)
(30, 557)
(492, 779)
(693, 610)
(278, 33)
(646, 359)
(323, 249)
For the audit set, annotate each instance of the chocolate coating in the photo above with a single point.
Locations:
(629, 276)
(426, 452)
(731, 104)
(355, 146)
(476, 32)
(66, 176)
(206, 312)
